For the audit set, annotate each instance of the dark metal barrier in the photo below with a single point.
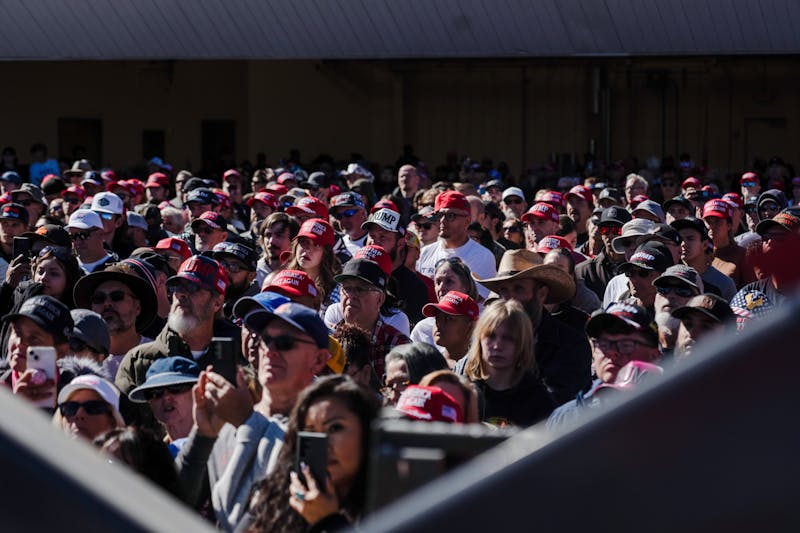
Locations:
(714, 445)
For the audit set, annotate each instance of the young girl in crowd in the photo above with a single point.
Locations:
(502, 366)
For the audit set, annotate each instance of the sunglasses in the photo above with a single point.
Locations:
(115, 296)
(425, 226)
(80, 236)
(610, 230)
(748, 184)
(174, 390)
(640, 272)
(683, 292)
(449, 217)
(283, 342)
(92, 407)
(105, 216)
(345, 214)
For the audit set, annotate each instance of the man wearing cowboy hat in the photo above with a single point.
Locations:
(125, 300)
(562, 353)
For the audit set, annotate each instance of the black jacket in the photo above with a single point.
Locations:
(412, 291)
(564, 358)
(525, 404)
(596, 273)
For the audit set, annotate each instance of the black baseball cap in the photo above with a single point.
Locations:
(622, 316)
(680, 199)
(237, 250)
(365, 270)
(666, 232)
(651, 255)
(48, 313)
(614, 215)
(691, 223)
(709, 305)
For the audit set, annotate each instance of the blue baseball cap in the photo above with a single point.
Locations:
(11, 176)
(301, 317)
(166, 372)
(263, 301)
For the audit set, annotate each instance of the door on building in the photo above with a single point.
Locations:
(218, 146)
(81, 138)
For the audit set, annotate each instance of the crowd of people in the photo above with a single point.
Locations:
(200, 325)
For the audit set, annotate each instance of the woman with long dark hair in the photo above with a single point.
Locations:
(342, 409)
(312, 252)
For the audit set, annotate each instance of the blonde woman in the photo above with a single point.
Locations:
(502, 366)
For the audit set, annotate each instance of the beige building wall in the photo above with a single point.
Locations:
(726, 111)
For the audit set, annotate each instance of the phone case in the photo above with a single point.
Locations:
(44, 358)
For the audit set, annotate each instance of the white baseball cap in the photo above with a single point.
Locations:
(386, 219)
(107, 202)
(513, 191)
(107, 391)
(85, 219)
(136, 220)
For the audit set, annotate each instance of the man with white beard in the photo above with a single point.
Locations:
(197, 293)
(674, 288)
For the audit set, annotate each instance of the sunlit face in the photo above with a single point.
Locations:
(10, 229)
(537, 229)
(446, 280)
(692, 245)
(308, 253)
(287, 371)
(85, 425)
(384, 238)
(345, 436)
(609, 356)
(51, 275)
(718, 228)
(23, 333)
(499, 350)
(120, 314)
(396, 380)
(276, 241)
(453, 224)
(361, 302)
(174, 410)
(451, 330)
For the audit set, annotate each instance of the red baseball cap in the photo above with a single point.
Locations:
(581, 191)
(552, 242)
(176, 245)
(212, 219)
(541, 210)
(223, 198)
(733, 199)
(204, 271)
(553, 197)
(691, 181)
(231, 172)
(453, 303)
(157, 179)
(292, 283)
(309, 205)
(77, 190)
(749, 176)
(266, 198)
(451, 200)
(431, 404)
(318, 230)
(277, 188)
(378, 254)
(136, 186)
(716, 208)
(384, 204)
(121, 184)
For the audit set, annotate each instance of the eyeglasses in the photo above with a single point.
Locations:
(683, 292)
(345, 214)
(188, 288)
(92, 407)
(748, 184)
(115, 296)
(233, 268)
(640, 272)
(358, 290)
(450, 216)
(283, 343)
(80, 236)
(622, 346)
(174, 390)
(610, 230)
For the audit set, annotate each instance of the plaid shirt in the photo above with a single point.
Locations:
(384, 338)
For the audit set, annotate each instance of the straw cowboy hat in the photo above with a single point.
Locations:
(525, 264)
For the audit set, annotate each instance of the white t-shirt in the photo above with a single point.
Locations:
(262, 270)
(89, 267)
(354, 245)
(399, 320)
(423, 332)
(479, 260)
(615, 288)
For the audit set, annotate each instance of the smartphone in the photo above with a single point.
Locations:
(223, 356)
(21, 246)
(312, 449)
(43, 358)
